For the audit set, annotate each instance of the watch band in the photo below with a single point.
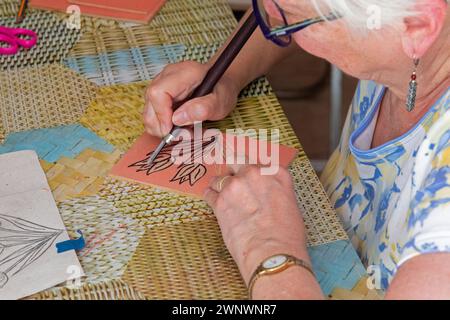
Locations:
(262, 271)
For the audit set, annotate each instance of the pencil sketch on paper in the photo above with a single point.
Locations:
(190, 170)
(22, 242)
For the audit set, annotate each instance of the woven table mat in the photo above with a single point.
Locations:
(186, 22)
(79, 177)
(42, 96)
(359, 292)
(151, 206)
(116, 114)
(51, 144)
(54, 40)
(194, 21)
(186, 261)
(108, 290)
(9, 8)
(144, 63)
(100, 36)
(111, 237)
(125, 65)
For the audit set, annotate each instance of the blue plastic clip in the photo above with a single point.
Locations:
(75, 244)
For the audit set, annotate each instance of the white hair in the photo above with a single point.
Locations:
(357, 12)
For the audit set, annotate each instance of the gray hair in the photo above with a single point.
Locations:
(358, 12)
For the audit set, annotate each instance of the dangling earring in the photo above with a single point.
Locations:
(412, 92)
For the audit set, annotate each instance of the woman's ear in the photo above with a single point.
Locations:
(422, 30)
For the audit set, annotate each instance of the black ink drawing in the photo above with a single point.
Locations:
(21, 243)
(191, 172)
(188, 171)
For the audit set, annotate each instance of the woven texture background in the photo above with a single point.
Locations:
(111, 237)
(189, 248)
(151, 206)
(144, 63)
(116, 114)
(108, 290)
(54, 39)
(143, 242)
(8, 8)
(53, 143)
(82, 176)
(42, 97)
(359, 292)
(126, 65)
(187, 22)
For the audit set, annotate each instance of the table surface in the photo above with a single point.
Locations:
(78, 104)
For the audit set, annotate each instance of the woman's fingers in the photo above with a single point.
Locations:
(210, 196)
(174, 83)
(157, 118)
(214, 106)
(151, 122)
(199, 109)
(238, 164)
(219, 183)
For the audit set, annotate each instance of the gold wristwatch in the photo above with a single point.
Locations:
(276, 264)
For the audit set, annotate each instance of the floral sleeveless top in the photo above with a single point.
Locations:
(394, 200)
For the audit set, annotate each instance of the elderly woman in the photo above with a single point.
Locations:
(389, 179)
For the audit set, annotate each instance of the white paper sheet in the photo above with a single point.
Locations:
(30, 227)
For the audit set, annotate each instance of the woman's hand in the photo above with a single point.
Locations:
(258, 216)
(175, 83)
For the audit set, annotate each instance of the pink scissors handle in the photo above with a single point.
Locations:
(26, 43)
(23, 37)
(13, 47)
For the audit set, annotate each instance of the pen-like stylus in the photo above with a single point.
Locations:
(214, 74)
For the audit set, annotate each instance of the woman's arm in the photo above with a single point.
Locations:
(259, 217)
(426, 276)
(294, 283)
(256, 58)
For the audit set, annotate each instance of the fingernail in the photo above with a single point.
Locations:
(180, 118)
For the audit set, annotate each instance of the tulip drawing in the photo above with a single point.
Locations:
(189, 171)
(22, 243)
(163, 161)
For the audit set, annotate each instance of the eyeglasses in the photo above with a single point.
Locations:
(281, 33)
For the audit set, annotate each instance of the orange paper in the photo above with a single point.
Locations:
(134, 6)
(188, 166)
(132, 10)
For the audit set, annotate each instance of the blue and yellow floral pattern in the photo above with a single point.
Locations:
(394, 200)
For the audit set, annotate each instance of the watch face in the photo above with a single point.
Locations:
(274, 262)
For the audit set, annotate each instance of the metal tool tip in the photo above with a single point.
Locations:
(156, 152)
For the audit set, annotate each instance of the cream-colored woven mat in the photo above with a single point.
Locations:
(42, 96)
(200, 265)
(359, 292)
(108, 290)
(187, 22)
(151, 206)
(8, 8)
(194, 22)
(116, 114)
(111, 237)
(79, 177)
